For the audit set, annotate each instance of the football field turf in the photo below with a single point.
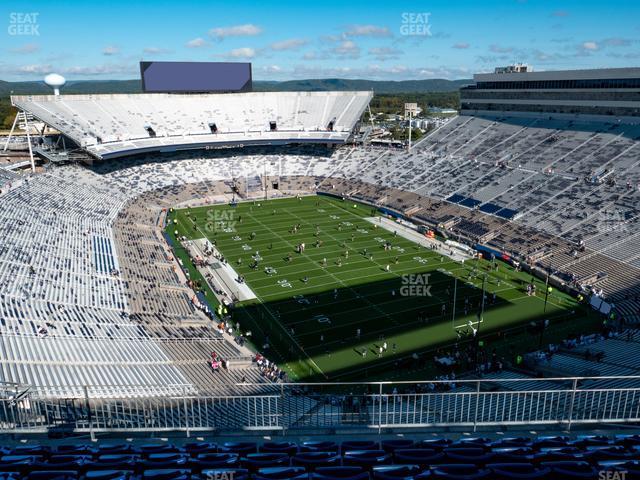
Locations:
(326, 311)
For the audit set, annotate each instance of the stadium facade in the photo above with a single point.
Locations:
(611, 94)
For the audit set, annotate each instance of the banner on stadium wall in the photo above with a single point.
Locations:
(390, 213)
(487, 252)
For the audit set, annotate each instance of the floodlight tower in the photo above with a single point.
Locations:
(55, 81)
(410, 110)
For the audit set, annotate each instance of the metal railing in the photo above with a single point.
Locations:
(378, 405)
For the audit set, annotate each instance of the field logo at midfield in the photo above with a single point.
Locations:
(415, 24)
(415, 285)
(221, 221)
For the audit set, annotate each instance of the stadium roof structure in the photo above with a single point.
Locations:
(111, 126)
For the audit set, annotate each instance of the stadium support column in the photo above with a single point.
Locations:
(26, 124)
(409, 130)
(266, 196)
(13, 127)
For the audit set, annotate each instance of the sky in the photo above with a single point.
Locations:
(378, 40)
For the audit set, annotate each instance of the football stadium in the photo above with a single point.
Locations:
(209, 279)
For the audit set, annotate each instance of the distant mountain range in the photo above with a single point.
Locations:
(318, 85)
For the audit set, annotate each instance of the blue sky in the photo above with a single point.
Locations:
(394, 40)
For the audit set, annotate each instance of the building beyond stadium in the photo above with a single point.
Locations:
(599, 93)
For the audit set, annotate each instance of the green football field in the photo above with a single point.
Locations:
(326, 311)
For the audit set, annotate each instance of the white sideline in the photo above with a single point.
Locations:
(416, 237)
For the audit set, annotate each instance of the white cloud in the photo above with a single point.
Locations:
(347, 49)
(244, 52)
(291, 44)
(197, 43)
(246, 30)
(36, 69)
(156, 51)
(26, 49)
(590, 46)
(461, 46)
(367, 31)
(385, 53)
(499, 49)
(271, 69)
(110, 50)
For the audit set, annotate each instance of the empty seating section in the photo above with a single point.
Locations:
(565, 180)
(583, 456)
(89, 292)
(113, 125)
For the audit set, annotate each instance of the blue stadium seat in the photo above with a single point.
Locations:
(474, 442)
(167, 474)
(517, 471)
(513, 455)
(627, 440)
(157, 448)
(75, 450)
(281, 473)
(610, 452)
(359, 445)
(9, 476)
(321, 446)
(434, 443)
(339, 473)
(517, 442)
(311, 460)
(419, 456)
(159, 461)
(584, 441)
(256, 461)
(396, 444)
(109, 475)
(289, 448)
(568, 469)
(53, 475)
(77, 463)
(460, 472)
(475, 455)
(39, 450)
(631, 467)
(242, 448)
(551, 442)
(209, 461)
(115, 462)
(18, 463)
(396, 472)
(365, 458)
(225, 474)
(558, 454)
(116, 449)
(196, 448)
